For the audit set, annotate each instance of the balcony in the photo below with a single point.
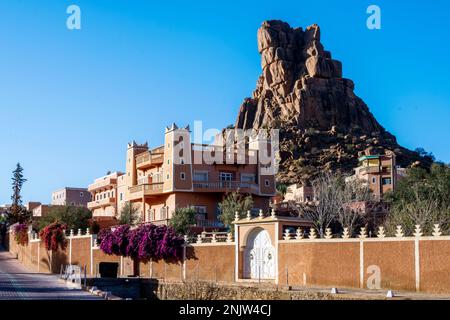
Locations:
(149, 179)
(101, 203)
(108, 182)
(149, 159)
(225, 186)
(369, 170)
(142, 190)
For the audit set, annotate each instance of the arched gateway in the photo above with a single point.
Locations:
(257, 240)
(259, 256)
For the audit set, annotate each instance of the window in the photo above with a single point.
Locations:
(200, 175)
(152, 215)
(72, 203)
(248, 177)
(168, 161)
(200, 212)
(226, 176)
(121, 196)
(374, 180)
(163, 213)
(168, 176)
(199, 209)
(387, 181)
(267, 182)
(182, 176)
(81, 194)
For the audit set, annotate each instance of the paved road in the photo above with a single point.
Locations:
(18, 283)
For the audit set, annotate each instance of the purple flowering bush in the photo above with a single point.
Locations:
(144, 242)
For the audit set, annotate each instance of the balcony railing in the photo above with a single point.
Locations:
(101, 203)
(209, 224)
(102, 184)
(150, 179)
(148, 159)
(369, 169)
(150, 188)
(225, 185)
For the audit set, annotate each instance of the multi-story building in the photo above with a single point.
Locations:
(104, 194)
(40, 211)
(299, 193)
(178, 174)
(380, 172)
(71, 197)
(30, 206)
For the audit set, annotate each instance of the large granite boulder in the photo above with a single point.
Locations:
(302, 89)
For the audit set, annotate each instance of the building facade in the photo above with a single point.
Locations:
(40, 211)
(71, 197)
(299, 193)
(104, 190)
(181, 174)
(380, 172)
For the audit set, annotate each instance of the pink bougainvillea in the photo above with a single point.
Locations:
(54, 236)
(144, 242)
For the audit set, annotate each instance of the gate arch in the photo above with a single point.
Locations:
(259, 256)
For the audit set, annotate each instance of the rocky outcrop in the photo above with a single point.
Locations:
(302, 92)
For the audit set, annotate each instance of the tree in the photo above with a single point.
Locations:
(282, 189)
(234, 202)
(17, 212)
(73, 217)
(425, 154)
(334, 202)
(350, 216)
(422, 198)
(183, 219)
(129, 214)
(328, 201)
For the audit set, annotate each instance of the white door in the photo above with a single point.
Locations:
(259, 256)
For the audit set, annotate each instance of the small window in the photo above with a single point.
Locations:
(374, 180)
(387, 181)
(182, 176)
(72, 203)
(267, 182)
(168, 161)
(121, 196)
(168, 177)
(81, 194)
(182, 161)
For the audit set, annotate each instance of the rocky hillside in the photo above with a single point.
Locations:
(323, 124)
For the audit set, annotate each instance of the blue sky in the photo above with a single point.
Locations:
(71, 100)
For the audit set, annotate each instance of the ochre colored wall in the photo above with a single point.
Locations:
(81, 253)
(396, 262)
(434, 266)
(99, 256)
(328, 263)
(210, 262)
(318, 264)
